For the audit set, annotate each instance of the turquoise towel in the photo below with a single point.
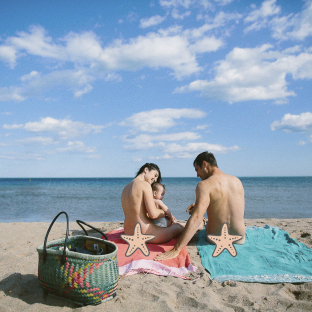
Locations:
(269, 255)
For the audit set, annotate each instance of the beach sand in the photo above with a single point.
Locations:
(20, 290)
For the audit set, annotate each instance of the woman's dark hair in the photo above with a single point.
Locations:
(150, 167)
(205, 156)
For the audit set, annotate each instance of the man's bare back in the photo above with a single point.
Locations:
(226, 204)
(218, 194)
(137, 200)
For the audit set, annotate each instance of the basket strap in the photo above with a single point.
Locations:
(66, 238)
(79, 223)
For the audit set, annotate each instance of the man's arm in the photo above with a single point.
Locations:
(192, 225)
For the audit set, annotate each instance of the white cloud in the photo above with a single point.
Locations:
(253, 74)
(94, 156)
(64, 128)
(176, 15)
(22, 156)
(160, 119)
(259, 17)
(152, 21)
(30, 76)
(36, 140)
(291, 27)
(207, 44)
(8, 94)
(176, 3)
(170, 145)
(301, 143)
(137, 159)
(198, 147)
(76, 146)
(294, 26)
(113, 77)
(146, 141)
(173, 48)
(85, 90)
(34, 83)
(294, 123)
(202, 127)
(8, 55)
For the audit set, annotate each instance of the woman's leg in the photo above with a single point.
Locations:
(164, 235)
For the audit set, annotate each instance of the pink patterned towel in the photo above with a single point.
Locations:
(138, 263)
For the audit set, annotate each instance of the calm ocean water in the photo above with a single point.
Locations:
(92, 199)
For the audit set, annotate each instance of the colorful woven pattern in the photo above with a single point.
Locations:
(83, 279)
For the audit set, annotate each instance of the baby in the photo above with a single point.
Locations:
(158, 194)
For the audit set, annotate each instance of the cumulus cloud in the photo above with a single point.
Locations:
(154, 50)
(253, 74)
(174, 48)
(294, 123)
(63, 128)
(160, 119)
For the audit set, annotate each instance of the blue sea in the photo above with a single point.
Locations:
(98, 199)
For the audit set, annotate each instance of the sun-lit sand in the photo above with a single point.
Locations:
(20, 290)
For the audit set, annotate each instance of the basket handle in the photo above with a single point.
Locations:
(79, 223)
(66, 238)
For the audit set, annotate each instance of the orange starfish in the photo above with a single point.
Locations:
(224, 241)
(137, 240)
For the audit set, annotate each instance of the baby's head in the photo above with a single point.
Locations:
(158, 190)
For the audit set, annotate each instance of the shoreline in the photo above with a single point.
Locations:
(20, 290)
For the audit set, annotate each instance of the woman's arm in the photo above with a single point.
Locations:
(149, 201)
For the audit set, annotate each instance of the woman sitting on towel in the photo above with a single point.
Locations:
(137, 201)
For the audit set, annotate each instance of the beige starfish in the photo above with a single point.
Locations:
(224, 241)
(137, 240)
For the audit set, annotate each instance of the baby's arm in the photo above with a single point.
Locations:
(161, 205)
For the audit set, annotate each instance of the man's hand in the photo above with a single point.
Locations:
(190, 209)
(167, 255)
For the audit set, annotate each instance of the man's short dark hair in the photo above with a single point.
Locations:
(205, 156)
(150, 167)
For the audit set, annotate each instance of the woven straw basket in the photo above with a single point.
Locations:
(81, 278)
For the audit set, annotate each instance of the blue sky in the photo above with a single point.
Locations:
(98, 88)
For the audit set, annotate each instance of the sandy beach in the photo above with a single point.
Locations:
(20, 290)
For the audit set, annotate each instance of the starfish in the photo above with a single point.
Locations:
(224, 241)
(137, 240)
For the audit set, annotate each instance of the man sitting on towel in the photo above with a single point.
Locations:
(218, 194)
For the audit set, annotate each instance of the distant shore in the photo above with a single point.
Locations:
(20, 290)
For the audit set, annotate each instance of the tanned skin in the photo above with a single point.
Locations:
(137, 200)
(222, 197)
